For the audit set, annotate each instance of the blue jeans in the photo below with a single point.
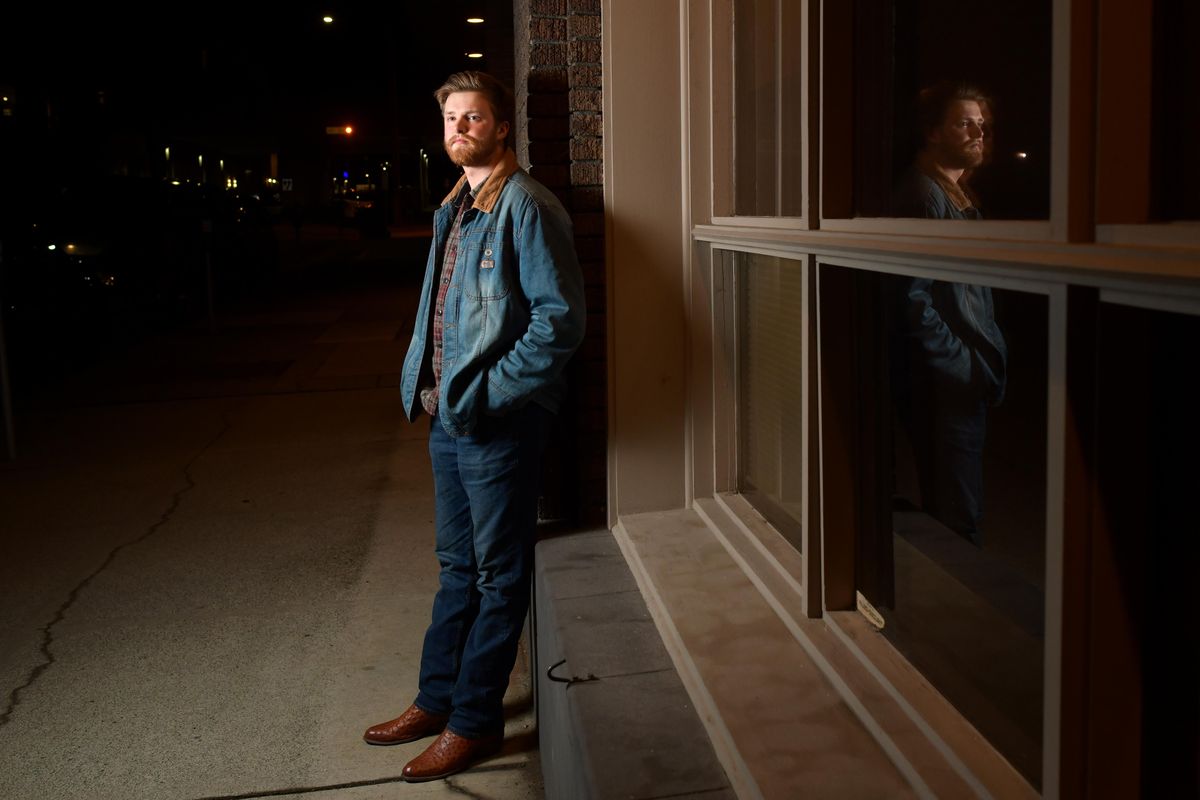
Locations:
(486, 486)
(948, 445)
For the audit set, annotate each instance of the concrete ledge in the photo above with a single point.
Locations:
(631, 732)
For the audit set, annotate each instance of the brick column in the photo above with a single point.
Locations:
(559, 102)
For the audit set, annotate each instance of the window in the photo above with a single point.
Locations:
(1175, 161)
(971, 529)
(947, 386)
(997, 58)
(767, 130)
(770, 436)
(1145, 554)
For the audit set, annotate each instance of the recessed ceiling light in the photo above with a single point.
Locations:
(474, 20)
(474, 55)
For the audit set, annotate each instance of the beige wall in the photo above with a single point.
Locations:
(643, 202)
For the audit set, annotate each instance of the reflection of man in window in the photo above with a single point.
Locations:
(950, 362)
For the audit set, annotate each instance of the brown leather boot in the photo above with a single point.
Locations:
(449, 753)
(413, 724)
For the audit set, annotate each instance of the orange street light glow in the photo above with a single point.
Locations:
(349, 130)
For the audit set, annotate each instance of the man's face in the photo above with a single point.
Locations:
(989, 131)
(470, 133)
(958, 142)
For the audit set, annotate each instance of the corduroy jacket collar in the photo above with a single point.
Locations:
(951, 187)
(492, 185)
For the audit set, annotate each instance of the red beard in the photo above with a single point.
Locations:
(962, 157)
(471, 154)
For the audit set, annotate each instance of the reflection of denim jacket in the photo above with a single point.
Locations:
(950, 327)
(952, 332)
(515, 308)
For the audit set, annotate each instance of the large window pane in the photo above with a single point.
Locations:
(997, 58)
(1145, 547)
(1176, 167)
(770, 441)
(950, 385)
(969, 502)
(767, 104)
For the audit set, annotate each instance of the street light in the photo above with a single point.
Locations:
(474, 9)
(328, 20)
(474, 55)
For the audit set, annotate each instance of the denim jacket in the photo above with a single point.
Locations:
(950, 327)
(514, 311)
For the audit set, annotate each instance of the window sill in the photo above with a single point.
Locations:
(795, 706)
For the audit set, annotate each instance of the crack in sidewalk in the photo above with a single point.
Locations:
(294, 790)
(462, 790)
(14, 697)
(333, 787)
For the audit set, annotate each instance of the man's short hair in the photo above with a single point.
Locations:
(934, 101)
(498, 95)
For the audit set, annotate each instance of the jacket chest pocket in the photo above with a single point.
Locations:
(485, 265)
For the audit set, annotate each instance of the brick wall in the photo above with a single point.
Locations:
(559, 103)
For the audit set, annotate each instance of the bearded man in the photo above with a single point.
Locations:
(501, 313)
(950, 359)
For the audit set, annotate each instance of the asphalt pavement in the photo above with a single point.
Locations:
(217, 556)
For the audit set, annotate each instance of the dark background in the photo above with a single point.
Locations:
(92, 96)
(97, 90)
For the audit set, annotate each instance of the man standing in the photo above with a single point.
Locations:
(950, 362)
(501, 312)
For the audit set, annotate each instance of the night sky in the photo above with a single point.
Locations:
(96, 89)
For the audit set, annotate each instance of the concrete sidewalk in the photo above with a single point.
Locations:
(218, 568)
